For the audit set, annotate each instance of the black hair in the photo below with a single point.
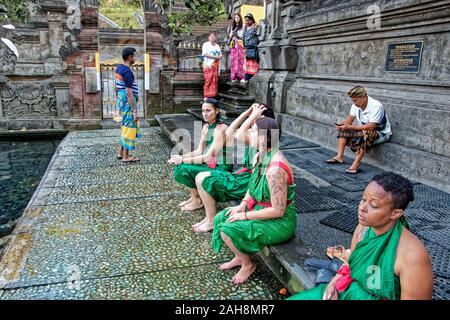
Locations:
(269, 124)
(238, 26)
(250, 17)
(216, 105)
(400, 188)
(269, 112)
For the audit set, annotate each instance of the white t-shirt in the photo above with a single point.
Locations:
(374, 112)
(213, 50)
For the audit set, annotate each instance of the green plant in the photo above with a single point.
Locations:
(121, 12)
(17, 10)
(203, 12)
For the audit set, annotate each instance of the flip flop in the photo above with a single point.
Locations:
(132, 160)
(336, 252)
(352, 171)
(334, 161)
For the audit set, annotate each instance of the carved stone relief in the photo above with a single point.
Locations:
(28, 99)
(8, 59)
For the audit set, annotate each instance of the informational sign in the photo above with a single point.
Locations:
(404, 57)
(91, 79)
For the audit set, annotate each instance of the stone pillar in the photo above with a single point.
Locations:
(55, 11)
(61, 86)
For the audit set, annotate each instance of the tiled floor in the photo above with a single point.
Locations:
(114, 231)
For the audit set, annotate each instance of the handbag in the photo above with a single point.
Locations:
(252, 53)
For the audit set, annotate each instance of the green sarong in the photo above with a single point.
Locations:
(224, 186)
(186, 173)
(371, 268)
(252, 235)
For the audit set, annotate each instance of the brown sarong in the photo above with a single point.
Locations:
(359, 139)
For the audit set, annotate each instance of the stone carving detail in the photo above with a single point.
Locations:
(8, 59)
(74, 27)
(26, 99)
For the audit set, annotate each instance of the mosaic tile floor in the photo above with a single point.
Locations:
(113, 231)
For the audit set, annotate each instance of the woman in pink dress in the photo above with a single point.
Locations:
(237, 52)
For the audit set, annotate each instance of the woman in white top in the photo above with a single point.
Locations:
(212, 55)
(372, 127)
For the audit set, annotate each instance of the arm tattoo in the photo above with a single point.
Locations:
(278, 189)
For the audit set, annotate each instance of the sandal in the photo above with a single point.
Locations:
(133, 159)
(334, 161)
(352, 171)
(336, 252)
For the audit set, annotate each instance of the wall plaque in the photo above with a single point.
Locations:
(91, 79)
(404, 57)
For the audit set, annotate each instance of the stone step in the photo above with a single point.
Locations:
(239, 99)
(238, 87)
(285, 260)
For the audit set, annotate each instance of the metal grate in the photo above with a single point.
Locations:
(345, 220)
(109, 93)
(309, 198)
(288, 141)
(441, 289)
(440, 259)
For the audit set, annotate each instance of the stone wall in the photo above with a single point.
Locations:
(45, 87)
(313, 52)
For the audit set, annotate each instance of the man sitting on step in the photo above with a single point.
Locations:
(387, 261)
(372, 127)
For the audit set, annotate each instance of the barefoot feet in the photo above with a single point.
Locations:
(193, 205)
(235, 262)
(182, 204)
(244, 273)
(207, 226)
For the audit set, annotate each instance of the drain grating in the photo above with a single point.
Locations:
(345, 220)
(440, 259)
(309, 198)
(288, 141)
(441, 288)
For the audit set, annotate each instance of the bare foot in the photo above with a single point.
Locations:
(182, 204)
(194, 205)
(206, 227)
(244, 273)
(199, 223)
(235, 262)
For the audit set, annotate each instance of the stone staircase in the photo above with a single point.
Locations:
(234, 99)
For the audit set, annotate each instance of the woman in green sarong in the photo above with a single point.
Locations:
(210, 155)
(267, 213)
(387, 261)
(220, 186)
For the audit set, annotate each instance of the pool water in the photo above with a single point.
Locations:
(22, 165)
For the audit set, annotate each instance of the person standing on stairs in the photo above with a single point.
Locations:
(127, 102)
(211, 154)
(237, 51)
(251, 41)
(211, 55)
(221, 186)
